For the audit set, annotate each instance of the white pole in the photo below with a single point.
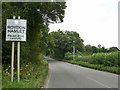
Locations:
(12, 62)
(18, 59)
(73, 51)
(12, 59)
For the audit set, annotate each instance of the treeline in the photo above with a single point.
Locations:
(60, 45)
(61, 42)
(38, 16)
(100, 49)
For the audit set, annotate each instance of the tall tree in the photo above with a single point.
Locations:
(37, 26)
(89, 48)
(63, 42)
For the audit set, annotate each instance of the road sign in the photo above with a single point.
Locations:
(16, 30)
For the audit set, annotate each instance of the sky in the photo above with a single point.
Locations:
(96, 21)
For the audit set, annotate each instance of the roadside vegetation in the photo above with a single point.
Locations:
(33, 68)
(61, 48)
(56, 44)
(100, 61)
(32, 76)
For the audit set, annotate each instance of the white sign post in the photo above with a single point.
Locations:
(16, 31)
(18, 59)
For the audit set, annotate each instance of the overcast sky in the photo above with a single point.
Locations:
(96, 21)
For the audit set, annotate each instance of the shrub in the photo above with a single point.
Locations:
(111, 59)
(68, 56)
(107, 59)
(83, 58)
(98, 67)
(97, 58)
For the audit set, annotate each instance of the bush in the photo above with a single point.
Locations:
(111, 59)
(29, 73)
(83, 58)
(98, 67)
(97, 58)
(68, 56)
(100, 61)
(107, 59)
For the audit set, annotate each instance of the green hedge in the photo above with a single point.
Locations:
(83, 58)
(98, 67)
(68, 56)
(106, 59)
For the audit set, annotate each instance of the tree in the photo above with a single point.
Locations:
(88, 49)
(99, 45)
(37, 26)
(63, 42)
(94, 49)
(112, 49)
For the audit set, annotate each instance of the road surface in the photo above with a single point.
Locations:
(66, 75)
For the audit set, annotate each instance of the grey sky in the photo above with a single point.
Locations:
(96, 21)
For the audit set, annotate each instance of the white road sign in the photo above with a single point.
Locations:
(16, 30)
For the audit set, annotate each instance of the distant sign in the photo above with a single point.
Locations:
(16, 30)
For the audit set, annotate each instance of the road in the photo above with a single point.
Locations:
(66, 75)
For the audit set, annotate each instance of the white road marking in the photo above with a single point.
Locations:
(48, 79)
(98, 82)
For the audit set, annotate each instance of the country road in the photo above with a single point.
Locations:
(65, 75)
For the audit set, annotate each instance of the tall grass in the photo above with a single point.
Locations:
(33, 79)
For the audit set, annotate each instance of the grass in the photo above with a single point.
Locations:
(84, 58)
(36, 80)
(0, 78)
(97, 67)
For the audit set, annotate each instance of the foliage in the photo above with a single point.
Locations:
(100, 49)
(33, 69)
(37, 27)
(113, 49)
(107, 59)
(62, 42)
(98, 67)
(68, 56)
(26, 71)
(97, 58)
(100, 61)
(111, 59)
(83, 58)
(79, 56)
(37, 75)
(0, 74)
(88, 48)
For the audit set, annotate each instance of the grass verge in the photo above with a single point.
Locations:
(36, 80)
(0, 78)
(115, 70)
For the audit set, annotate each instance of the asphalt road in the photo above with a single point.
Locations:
(65, 75)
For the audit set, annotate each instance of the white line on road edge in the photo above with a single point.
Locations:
(99, 82)
(48, 79)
